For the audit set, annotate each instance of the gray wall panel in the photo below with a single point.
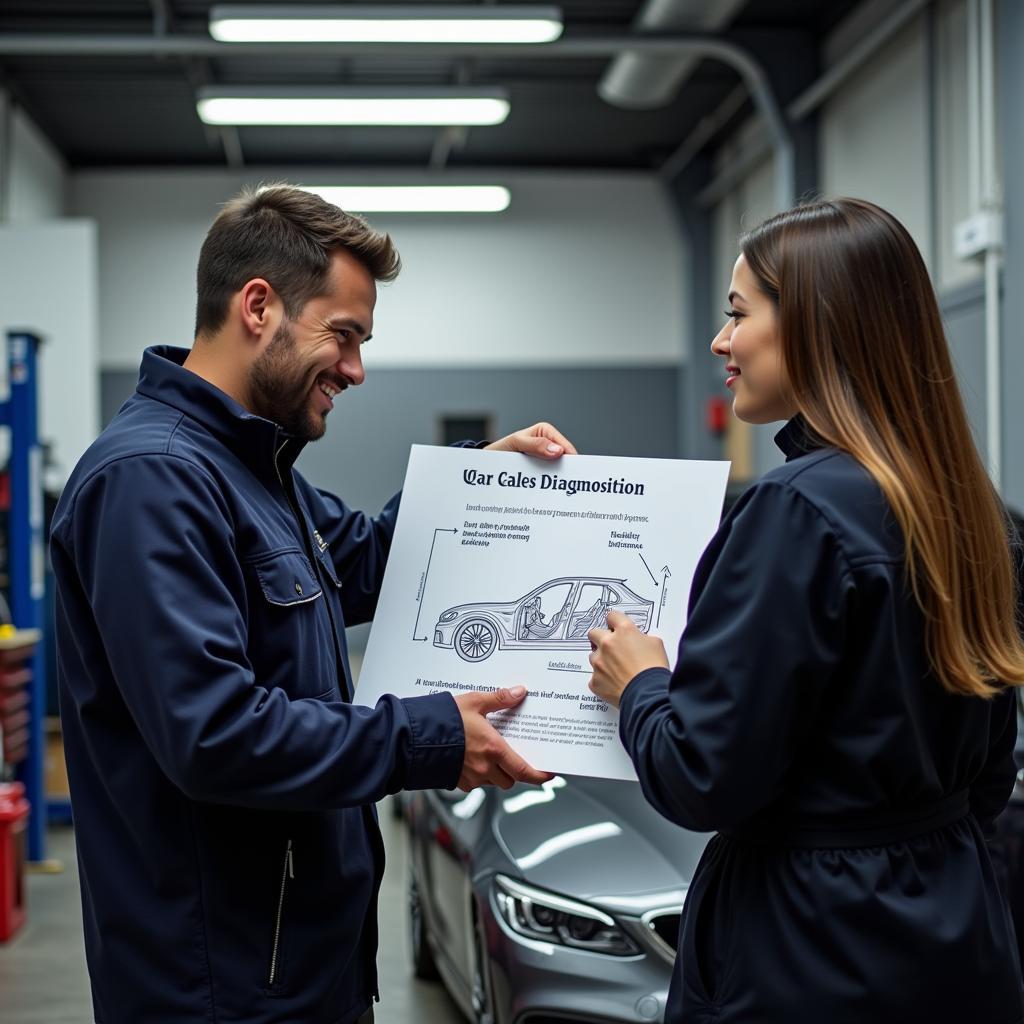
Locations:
(606, 411)
(963, 313)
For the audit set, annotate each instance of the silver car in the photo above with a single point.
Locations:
(551, 904)
(556, 615)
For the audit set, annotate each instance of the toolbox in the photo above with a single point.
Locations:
(14, 810)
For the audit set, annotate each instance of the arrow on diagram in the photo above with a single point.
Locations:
(648, 568)
(666, 574)
(423, 586)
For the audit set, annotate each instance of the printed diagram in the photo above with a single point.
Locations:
(557, 615)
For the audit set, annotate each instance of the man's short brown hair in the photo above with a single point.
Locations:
(286, 236)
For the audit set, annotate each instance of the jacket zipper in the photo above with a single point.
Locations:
(287, 872)
(343, 686)
(314, 562)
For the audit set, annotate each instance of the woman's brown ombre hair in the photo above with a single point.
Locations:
(866, 359)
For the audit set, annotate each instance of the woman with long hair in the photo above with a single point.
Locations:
(840, 712)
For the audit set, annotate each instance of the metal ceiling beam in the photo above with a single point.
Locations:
(161, 16)
(666, 43)
(680, 44)
(197, 70)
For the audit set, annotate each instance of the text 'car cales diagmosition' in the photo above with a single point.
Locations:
(557, 615)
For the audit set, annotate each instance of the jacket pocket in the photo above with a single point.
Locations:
(702, 952)
(286, 578)
(274, 979)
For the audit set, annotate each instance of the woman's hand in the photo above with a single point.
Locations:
(541, 440)
(621, 653)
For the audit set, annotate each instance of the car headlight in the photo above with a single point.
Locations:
(543, 916)
(448, 616)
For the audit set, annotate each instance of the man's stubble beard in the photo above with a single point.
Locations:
(279, 390)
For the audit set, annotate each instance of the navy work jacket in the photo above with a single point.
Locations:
(221, 782)
(850, 881)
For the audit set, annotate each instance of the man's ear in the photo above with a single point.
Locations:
(257, 306)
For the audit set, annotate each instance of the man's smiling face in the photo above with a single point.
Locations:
(314, 357)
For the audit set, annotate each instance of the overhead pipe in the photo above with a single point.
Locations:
(639, 81)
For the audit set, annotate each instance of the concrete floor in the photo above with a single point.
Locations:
(42, 970)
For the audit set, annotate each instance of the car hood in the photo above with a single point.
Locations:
(478, 605)
(594, 839)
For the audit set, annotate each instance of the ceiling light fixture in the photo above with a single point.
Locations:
(415, 198)
(393, 106)
(385, 24)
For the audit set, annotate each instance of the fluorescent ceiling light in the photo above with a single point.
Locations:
(385, 24)
(415, 198)
(240, 106)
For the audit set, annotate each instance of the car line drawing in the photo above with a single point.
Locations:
(557, 615)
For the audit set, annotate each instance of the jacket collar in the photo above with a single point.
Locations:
(796, 438)
(254, 439)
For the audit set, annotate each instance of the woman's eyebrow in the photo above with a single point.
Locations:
(734, 295)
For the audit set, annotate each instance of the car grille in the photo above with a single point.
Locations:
(666, 927)
(663, 930)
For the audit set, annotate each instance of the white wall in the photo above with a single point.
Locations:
(37, 174)
(581, 270)
(49, 286)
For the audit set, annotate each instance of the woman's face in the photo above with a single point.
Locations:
(750, 345)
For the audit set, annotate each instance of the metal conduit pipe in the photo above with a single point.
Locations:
(816, 94)
(640, 81)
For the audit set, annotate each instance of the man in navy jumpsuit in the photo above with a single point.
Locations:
(222, 781)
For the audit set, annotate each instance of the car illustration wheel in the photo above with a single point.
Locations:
(476, 640)
(423, 965)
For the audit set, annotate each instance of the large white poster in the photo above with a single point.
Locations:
(500, 566)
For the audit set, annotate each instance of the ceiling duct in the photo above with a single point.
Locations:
(640, 81)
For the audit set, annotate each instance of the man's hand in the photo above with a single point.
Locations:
(489, 759)
(541, 440)
(621, 652)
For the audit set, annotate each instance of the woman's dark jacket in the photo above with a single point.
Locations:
(849, 882)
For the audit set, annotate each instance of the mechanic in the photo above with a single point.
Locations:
(222, 782)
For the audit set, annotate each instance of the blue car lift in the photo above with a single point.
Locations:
(20, 413)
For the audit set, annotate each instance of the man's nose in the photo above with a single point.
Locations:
(350, 366)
